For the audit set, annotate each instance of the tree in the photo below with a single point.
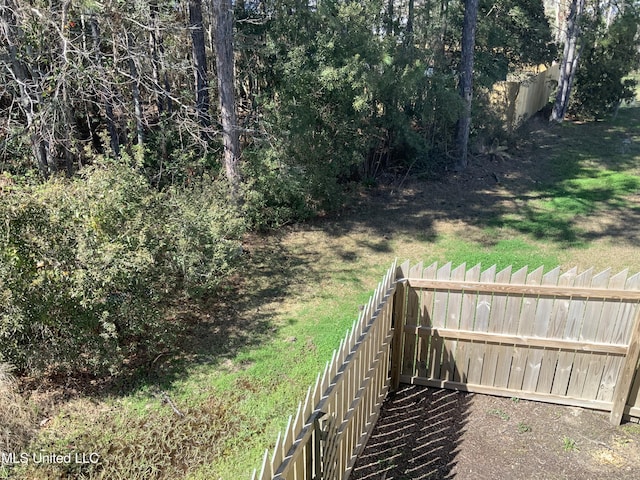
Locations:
(199, 61)
(224, 61)
(569, 63)
(466, 80)
(611, 51)
(511, 36)
(105, 93)
(20, 78)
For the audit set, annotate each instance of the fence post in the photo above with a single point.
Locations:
(625, 379)
(399, 318)
(319, 435)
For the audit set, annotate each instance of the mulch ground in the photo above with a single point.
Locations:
(426, 433)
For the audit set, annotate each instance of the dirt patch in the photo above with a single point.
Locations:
(441, 434)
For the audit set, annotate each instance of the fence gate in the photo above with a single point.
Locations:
(569, 338)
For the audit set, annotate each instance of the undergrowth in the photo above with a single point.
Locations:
(300, 292)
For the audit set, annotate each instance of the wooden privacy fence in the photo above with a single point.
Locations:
(333, 424)
(563, 338)
(570, 338)
(519, 100)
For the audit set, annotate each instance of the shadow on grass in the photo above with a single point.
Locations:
(239, 317)
(417, 436)
(559, 177)
(554, 181)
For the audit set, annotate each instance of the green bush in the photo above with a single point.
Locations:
(274, 193)
(200, 236)
(610, 56)
(86, 265)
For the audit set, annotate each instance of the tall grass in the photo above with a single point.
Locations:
(17, 417)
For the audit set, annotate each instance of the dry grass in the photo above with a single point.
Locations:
(17, 417)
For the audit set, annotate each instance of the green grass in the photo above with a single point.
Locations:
(552, 213)
(631, 428)
(569, 444)
(517, 252)
(523, 427)
(302, 292)
(589, 170)
(500, 414)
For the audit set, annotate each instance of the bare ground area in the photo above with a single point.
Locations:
(426, 433)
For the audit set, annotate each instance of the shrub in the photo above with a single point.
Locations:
(608, 58)
(86, 265)
(201, 236)
(274, 193)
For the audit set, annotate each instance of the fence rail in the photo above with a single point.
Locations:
(569, 338)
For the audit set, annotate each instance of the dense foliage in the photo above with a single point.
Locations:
(327, 94)
(86, 265)
(610, 53)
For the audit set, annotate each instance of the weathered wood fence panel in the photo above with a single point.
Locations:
(333, 424)
(520, 100)
(559, 337)
(568, 338)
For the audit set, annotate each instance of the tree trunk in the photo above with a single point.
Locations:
(224, 61)
(390, 28)
(68, 144)
(135, 92)
(409, 37)
(199, 61)
(105, 93)
(466, 81)
(569, 63)
(29, 95)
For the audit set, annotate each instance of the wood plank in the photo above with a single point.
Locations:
(530, 290)
(519, 340)
(496, 325)
(633, 412)
(453, 322)
(467, 320)
(590, 322)
(540, 327)
(510, 327)
(525, 328)
(621, 320)
(593, 385)
(399, 316)
(438, 319)
(556, 328)
(483, 310)
(507, 392)
(623, 385)
(426, 314)
(571, 333)
(634, 397)
(413, 309)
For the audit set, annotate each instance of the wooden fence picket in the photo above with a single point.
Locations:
(510, 327)
(467, 316)
(621, 319)
(496, 325)
(452, 320)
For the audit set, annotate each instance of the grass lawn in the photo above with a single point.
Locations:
(208, 410)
